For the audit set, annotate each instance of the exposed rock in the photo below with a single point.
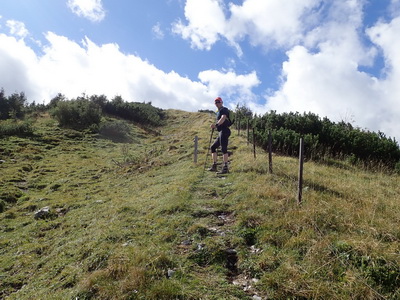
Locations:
(200, 246)
(42, 213)
(253, 249)
(170, 273)
(186, 242)
(231, 261)
(62, 211)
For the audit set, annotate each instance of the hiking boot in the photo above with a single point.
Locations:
(224, 170)
(213, 168)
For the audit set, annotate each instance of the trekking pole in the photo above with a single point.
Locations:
(208, 149)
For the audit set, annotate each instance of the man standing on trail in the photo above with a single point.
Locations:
(222, 126)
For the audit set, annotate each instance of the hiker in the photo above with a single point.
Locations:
(222, 126)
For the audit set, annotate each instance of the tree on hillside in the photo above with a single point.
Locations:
(12, 106)
(77, 114)
(242, 114)
(324, 138)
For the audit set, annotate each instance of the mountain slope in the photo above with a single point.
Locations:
(141, 220)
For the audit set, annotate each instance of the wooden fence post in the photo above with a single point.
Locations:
(301, 161)
(196, 142)
(254, 144)
(270, 151)
(248, 133)
(238, 128)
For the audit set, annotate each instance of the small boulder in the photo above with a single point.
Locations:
(42, 213)
(170, 273)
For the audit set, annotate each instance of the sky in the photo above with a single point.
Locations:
(338, 59)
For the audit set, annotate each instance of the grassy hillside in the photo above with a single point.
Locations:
(140, 220)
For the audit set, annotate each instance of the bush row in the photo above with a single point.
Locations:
(82, 112)
(324, 138)
(15, 128)
(85, 112)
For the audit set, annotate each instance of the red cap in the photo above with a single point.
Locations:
(218, 99)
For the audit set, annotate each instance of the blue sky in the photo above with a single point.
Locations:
(338, 59)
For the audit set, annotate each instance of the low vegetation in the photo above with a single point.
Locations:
(135, 218)
(323, 138)
(86, 112)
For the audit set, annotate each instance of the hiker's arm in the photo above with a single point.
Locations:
(220, 121)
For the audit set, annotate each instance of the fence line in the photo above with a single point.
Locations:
(301, 157)
(301, 162)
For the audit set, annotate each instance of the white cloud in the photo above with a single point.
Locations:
(230, 84)
(385, 36)
(206, 23)
(269, 23)
(157, 31)
(323, 84)
(17, 28)
(72, 69)
(17, 66)
(329, 82)
(395, 8)
(265, 23)
(89, 9)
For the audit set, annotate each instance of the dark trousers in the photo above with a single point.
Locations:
(221, 140)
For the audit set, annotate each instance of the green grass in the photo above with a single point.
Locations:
(124, 214)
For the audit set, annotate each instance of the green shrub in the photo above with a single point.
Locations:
(13, 128)
(323, 138)
(397, 167)
(249, 235)
(115, 130)
(12, 106)
(77, 114)
(2, 206)
(383, 273)
(142, 113)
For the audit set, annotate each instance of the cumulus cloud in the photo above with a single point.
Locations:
(320, 83)
(383, 35)
(206, 23)
(265, 23)
(89, 9)
(15, 61)
(17, 28)
(269, 23)
(229, 83)
(328, 80)
(73, 68)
